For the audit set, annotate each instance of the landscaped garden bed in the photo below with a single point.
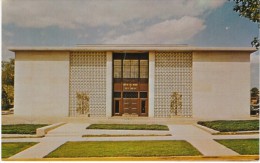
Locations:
(10, 149)
(231, 125)
(124, 149)
(125, 135)
(21, 128)
(128, 127)
(242, 146)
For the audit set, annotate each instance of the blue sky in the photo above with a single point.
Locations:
(70, 22)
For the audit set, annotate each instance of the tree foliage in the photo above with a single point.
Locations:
(254, 92)
(249, 9)
(7, 83)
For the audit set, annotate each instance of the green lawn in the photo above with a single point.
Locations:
(21, 128)
(128, 127)
(242, 146)
(232, 125)
(10, 149)
(124, 149)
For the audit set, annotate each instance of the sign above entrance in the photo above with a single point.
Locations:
(130, 86)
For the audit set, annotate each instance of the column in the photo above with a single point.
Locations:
(109, 85)
(151, 83)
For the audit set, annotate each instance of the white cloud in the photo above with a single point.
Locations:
(83, 13)
(169, 31)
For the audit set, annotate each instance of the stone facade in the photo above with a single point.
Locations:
(206, 83)
(221, 85)
(41, 83)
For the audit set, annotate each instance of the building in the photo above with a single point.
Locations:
(133, 80)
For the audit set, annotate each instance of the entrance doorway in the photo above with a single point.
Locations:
(130, 84)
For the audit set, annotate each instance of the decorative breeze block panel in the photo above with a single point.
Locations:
(173, 84)
(88, 76)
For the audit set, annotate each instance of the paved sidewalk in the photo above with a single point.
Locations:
(39, 150)
(199, 138)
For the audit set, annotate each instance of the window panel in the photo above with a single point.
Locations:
(143, 62)
(117, 63)
(131, 68)
(134, 62)
(134, 71)
(117, 106)
(130, 94)
(127, 62)
(143, 94)
(143, 106)
(117, 72)
(117, 94)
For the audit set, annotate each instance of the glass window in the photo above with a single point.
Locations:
(117, 69)
(143, 94)
(117, 106)
(143, 106)
(117, 62)
(130, 94)
(143, 68)
(130, 69)
(126, 69)
(117, 94)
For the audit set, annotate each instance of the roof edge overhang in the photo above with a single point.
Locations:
(139, 47)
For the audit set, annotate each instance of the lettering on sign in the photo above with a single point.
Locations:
(130, 86)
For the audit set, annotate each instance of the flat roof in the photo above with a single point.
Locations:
(132, 47)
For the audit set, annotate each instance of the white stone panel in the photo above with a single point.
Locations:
(151, 83)
(41, 83)
(221, 85)
(88, 75)
(109, 83)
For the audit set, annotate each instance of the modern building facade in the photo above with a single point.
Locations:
(133, 80)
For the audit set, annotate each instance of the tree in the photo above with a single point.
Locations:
(254, 92)
(7, 83)
(8, 72)
(249, 9)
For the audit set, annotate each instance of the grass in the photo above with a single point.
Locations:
(124, 149)
(242, 146)
(21, 128)
(128, 127)
(126, 135)
(10, 149)
(232, 125)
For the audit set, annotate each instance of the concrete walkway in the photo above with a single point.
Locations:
(199, 138)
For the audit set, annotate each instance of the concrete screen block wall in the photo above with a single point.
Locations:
(173, 76)
(221, 85)
(41, 83)
(88, 74)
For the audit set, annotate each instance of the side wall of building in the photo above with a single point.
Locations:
(221, 85)
(41, 83)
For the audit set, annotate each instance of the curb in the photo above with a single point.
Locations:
(40, 132)
(215, 132)
(11, 136)
(170, 158)
(44, 130)
(209, 130)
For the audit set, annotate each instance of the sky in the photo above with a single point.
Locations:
(205, 23)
